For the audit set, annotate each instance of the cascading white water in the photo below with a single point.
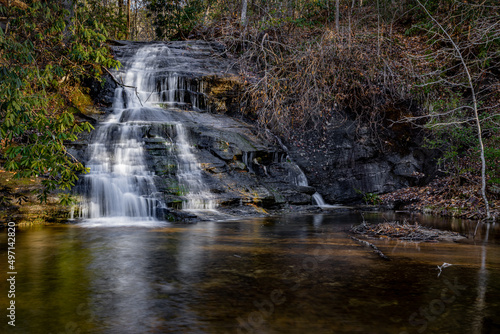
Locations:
(301, 180)
(247, 158)
(198, 196)
(119, 186)
(119, 183)
(318, 199)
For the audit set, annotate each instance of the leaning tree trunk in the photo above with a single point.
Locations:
(476, 114)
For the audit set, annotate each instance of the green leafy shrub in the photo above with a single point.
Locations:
(44, 55)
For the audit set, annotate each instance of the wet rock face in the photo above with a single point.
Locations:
(343, 162)
(237, 166)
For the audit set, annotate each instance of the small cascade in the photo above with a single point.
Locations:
(300, 178)
(247, 158)
(318, 199)
(197, 193)
(172, 90)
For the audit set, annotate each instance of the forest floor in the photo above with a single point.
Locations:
(446, 196)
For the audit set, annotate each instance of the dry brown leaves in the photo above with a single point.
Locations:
(447, 196)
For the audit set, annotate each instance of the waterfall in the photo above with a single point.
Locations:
(247, 158)
(156, 126)
(120, 186)
(318, 199)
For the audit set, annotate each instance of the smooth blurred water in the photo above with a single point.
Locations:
(289, 274)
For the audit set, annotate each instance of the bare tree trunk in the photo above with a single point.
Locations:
(337, 16)
(244, 7)
(70, 7)
(128, 19)
(476, 115)
(350, 22)
(378, 29)
(120, 15)
(205, 16)
(136, 22)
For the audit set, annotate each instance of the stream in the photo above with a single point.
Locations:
(286, 274)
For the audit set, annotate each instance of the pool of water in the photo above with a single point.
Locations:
(288, 274)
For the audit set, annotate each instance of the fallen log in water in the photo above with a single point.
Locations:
(375, 248)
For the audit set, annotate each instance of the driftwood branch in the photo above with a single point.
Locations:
(368, 244)
(123, 85)
(116, 80)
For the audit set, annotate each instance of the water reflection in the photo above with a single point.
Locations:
(290, 274)
(192, 248)
(480, 304)
(119, 278)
